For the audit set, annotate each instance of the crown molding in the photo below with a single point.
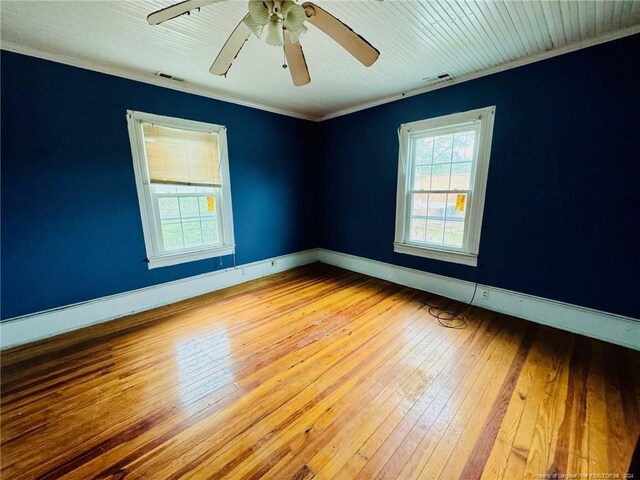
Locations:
(149, 78)
(489, 71)
(224, 97)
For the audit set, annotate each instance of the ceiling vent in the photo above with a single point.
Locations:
(443, 77)
(169, 77)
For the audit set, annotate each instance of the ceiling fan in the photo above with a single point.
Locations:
(284, 22)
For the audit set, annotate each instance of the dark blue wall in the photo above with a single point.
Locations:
(71, 228)
(561, 218)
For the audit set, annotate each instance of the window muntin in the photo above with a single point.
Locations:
(183, 186)
(440, 193)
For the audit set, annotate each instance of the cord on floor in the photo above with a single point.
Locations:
(451, 318)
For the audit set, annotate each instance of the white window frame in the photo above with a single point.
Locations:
(148, 210)
(482, 119)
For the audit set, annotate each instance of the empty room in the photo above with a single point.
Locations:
(351, 239)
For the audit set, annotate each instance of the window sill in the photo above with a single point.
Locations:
(184, 257)
(443, 255)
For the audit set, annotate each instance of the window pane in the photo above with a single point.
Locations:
(205, 189)
(461, 175)
(424, 151)
(168, 208)
(172, 236)
(192, 234)
(463, 146)
(435, 231)
(442, 147)
(210, 234)
(186, 189)
(437, 204)
(189, 222)
(189, 207)
(163, 188)
(422, 178)
(441, 175)
(207, 206)
(453, 233)
(419, 204)
(456, 205)
(418, 228)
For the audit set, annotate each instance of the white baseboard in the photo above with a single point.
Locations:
(28, 328)
(605, 326)
(429, 282)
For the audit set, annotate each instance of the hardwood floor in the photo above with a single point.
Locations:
(317, 373)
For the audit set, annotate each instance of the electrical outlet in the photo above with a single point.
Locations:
(484, 294)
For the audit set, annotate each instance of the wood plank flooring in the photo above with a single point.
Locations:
(317, 373)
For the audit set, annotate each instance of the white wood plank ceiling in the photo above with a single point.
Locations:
(417, 40)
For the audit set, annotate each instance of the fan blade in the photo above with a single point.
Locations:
(297, 63)
(231, 48)
(341, 33)
(176, 10)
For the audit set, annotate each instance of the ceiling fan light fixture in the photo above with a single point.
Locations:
(293, 13)
(297, 33)
(255, 27)
(275, 33)
(260, 11)
(294, 18)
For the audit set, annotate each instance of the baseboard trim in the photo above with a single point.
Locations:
(28, 328)
(592, 323)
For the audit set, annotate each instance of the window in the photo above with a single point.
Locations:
(182, 177)
(442, 176)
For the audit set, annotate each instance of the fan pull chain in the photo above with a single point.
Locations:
(284, 41)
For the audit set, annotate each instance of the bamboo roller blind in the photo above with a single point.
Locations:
(182, 157)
